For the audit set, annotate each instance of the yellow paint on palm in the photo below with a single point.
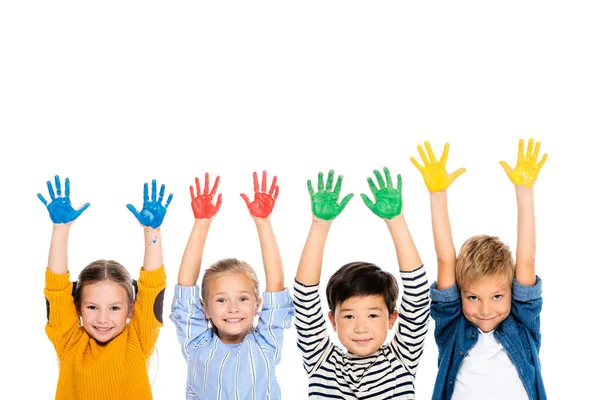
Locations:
(527, 169)
(434, 171)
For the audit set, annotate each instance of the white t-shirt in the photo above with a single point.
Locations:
(487, 372)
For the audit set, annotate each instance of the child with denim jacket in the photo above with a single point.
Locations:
(485, 307)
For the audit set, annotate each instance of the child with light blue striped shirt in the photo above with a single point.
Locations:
(227, 356)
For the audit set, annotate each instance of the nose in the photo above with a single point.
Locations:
(361, 326)
(102, 316)
(233, 307)
(485, 308)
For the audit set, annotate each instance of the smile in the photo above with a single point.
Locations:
(361, 341)
(102, 329)
(233, 320)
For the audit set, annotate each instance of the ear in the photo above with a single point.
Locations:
(206, 313)
(258, 305)
(392, 320)
(131, 310)
(332, 320)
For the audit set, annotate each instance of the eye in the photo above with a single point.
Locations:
(498, 296)
(373, 316)
(472, 298)
(348, 316)
(245, 298)
(91, 307)
(220, 300)
(115, 308)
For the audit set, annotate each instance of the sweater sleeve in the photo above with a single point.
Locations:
(62, 327)
(275, 316)
(413, 318)
(147, 318)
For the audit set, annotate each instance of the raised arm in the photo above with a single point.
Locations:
(204, 211)
(325, 209)
(523, 176)
(437, 181)
(388, 206)
(62, 215)
(151, 217)
(260, 209)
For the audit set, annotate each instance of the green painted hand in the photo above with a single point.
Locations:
(388, 201)
(325, 201)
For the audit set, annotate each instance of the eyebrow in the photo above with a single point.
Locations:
(370, 308)
(240, 292)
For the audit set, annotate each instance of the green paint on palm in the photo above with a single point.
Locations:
(388, 201)
(325, 202)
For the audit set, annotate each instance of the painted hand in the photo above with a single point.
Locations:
(202, 205)
(60, 209)
(388, 201)
(263, 202)
(153, 212)
(527, 169)
(325, 201)
(434, 171)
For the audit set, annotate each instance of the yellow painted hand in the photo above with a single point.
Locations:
(434, 171)
(527, 169)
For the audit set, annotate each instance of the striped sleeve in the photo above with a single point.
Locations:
(275, 316)
(189, 318)
(413, 318)
(312, 338)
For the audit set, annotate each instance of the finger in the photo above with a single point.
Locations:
(218, 205)
(456, 174)
(192, 191)
(276, 193)
(379, 179)
(216, 185)
(345, 200)
(153, 189)
(536, 151)
(255, 181)
(162, 193)
(388, 178)
(320, 183)
(169, 200)
(58, 188)
(50, 190)
(264, 182)
(529, 149)
(273, 185)
(520, 154)
(68, 187)
(311, 191)
(134, 211)
(416, 164)
(246, 199)
(42, 199)
(205, 183)
(338, 186)
(399, 183)
(368, 202)
(542, 161)
(507, 169)
(329, 185)
(197, 188)
(145, 192)
(82, 209)
(423, 156)
(372, 185)
(445, 154)
(432, 158)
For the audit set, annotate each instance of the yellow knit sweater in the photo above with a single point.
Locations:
(116, 370)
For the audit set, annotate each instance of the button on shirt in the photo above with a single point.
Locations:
(487, 372)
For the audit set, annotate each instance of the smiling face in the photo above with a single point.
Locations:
(231, 305)
(362, 322)
(104, 310)
(486, 302)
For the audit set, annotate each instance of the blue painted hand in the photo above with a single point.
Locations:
(60, 209)
(153, 212)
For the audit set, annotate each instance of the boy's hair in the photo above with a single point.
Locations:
(103, 270)
(482, 256)
(361, 279)
(229, 266)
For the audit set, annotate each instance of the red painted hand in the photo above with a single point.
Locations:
(202, 203)
(263, 202)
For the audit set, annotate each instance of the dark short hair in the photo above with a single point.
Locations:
(361, 279)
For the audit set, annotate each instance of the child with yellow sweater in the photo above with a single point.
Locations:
(103, 346)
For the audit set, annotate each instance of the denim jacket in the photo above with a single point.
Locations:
(519, 334)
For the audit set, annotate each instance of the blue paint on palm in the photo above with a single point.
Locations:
(60, 208)
(153, 212)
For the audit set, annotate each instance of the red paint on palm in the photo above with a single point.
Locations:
(263, 202)
(202, 202)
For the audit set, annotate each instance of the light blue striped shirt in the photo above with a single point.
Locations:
(219, 371)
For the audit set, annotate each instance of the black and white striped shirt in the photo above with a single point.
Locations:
(387, 374)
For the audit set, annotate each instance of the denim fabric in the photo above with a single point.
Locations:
(519, 334)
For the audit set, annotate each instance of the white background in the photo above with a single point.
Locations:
(113, 94)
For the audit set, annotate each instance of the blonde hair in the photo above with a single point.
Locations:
(483, 256)
(229, 266)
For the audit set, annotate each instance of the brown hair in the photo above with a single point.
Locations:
(99, 271)
(229, 266)
(361, 279)
(482, 256)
